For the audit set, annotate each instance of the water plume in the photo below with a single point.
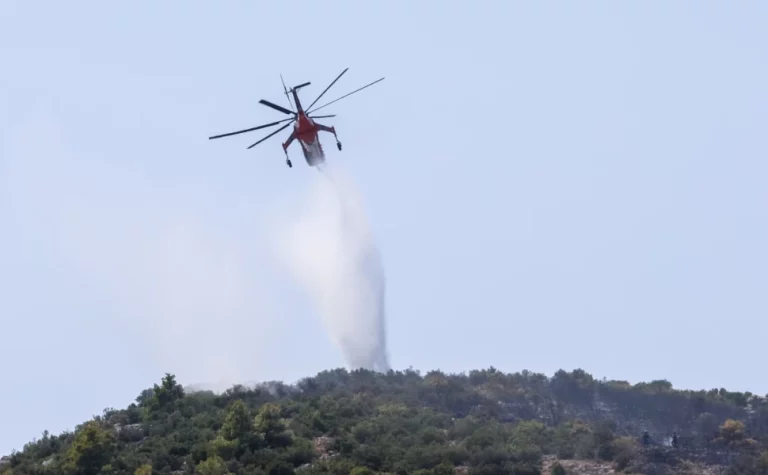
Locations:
(331, 252)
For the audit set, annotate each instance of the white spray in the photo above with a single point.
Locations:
(331, 252)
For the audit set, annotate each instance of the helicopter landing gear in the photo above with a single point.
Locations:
(338, 144)
(288, 160)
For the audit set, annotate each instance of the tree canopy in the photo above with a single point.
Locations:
(403, 422)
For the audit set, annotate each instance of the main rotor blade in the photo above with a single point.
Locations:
(326, 89)
(321, 116)
(270, 135)
(248, 130)
(285, 89)
(342, 97)
(276, 107)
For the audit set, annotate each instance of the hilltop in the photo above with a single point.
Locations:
(361, 422)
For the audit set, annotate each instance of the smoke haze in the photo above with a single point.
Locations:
(167, 273)
(331, 252)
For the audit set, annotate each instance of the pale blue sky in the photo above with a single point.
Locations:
(552, 185)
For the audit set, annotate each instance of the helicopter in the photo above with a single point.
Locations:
(305, 128)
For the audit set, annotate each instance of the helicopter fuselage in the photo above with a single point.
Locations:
(306, 131)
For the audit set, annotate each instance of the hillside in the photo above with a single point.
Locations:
(359, 422)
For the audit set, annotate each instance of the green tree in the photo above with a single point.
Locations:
(212, 466)
(761, 467)
(300, 452)
(271, 426)
(145, 469)
(224, 448)
(281, 467)
(732, 431)
(603, 437)
(238, 422)
(573, 439)
(533, 434)
(165, 395)
(445, 468)
(625, 451)
(90, 450)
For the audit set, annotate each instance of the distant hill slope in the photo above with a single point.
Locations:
(359, 422)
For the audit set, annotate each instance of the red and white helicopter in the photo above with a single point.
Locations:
(305, 128)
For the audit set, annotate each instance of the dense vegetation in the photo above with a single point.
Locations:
(359, 422)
